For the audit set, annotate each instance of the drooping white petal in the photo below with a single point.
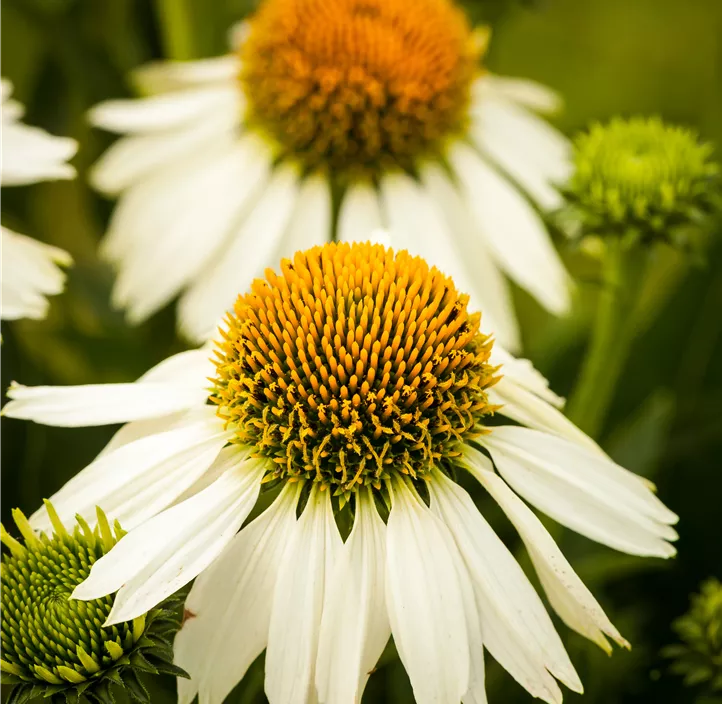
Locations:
(198, 212)
(523, 406)
(142, 477)
(98, 404)
(310, 223)
(489, 292)
(567, 593)
(355, 624)
(253, 248)
(523, 373)
(523, 91)
(30, 154)
(495, 142)
(229, 606)
(163, 76)
(537, 157)
(305, 572)
(136, 157)
(425, 601)
(137, 429)
(166, 111)
(166, 552)
(30, 272)
(360, 213)
(515, 626)
(188, 367)
(583, 490)
(543, 144)
(514, 232)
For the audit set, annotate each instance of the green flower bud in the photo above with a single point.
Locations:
(641, 180)
(58, 647)
(699, 657)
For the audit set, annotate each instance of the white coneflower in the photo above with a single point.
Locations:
(332, 119)
(357, 381)
(30, 269)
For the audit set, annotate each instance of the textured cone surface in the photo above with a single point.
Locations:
(353, 362)
(359, 84)
(57, 643)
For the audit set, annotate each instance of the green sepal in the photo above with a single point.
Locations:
(140, 663)
(135, 687)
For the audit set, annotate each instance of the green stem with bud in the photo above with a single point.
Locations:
(611, 339)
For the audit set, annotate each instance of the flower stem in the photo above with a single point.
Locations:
(612, 336)
(176, 23)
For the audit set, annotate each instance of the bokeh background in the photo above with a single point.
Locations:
(606, 57)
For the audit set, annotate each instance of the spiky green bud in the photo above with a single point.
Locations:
(642, 180)
(699, 657)
(55, 646)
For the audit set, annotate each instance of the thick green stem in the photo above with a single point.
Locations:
(176, 22)
(611, 338)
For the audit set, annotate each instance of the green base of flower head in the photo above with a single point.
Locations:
(642, 180)
(57, 647)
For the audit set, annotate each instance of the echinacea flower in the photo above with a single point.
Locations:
(354, 383)
(332, 119)
(30, 269)
(57, 647)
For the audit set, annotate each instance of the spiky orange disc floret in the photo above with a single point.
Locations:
(359, 84)
(353, 362)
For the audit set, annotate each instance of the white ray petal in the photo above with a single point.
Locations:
(417, 225)
(543, 144)
(140, 478)
(30, 272)
(163, 76)
(137, 429)
(495, 141)
(166, 111)
(98, 404)
(567, 594)
(197, 213)
(516, 629)
(310, 223)
(489, 292)
(253, 248)
(298, 597)
(229, 606)
(523, 91)
(190, 366)
(360, 213)
(425, 601)
(523, 406)
(583, 490)
(355, 624)
(523, 373)
(512, 229)
(30, 154)
(166, 552)
(137, 157)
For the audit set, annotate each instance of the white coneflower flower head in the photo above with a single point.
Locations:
(30, 269)
(384, 104)
(355, 383)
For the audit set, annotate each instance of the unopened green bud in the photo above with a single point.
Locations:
(56, 646)
(642, 180)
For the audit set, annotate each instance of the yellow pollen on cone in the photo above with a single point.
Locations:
(359, 85)
(353, 362)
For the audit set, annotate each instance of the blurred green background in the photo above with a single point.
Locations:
(606, 57)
